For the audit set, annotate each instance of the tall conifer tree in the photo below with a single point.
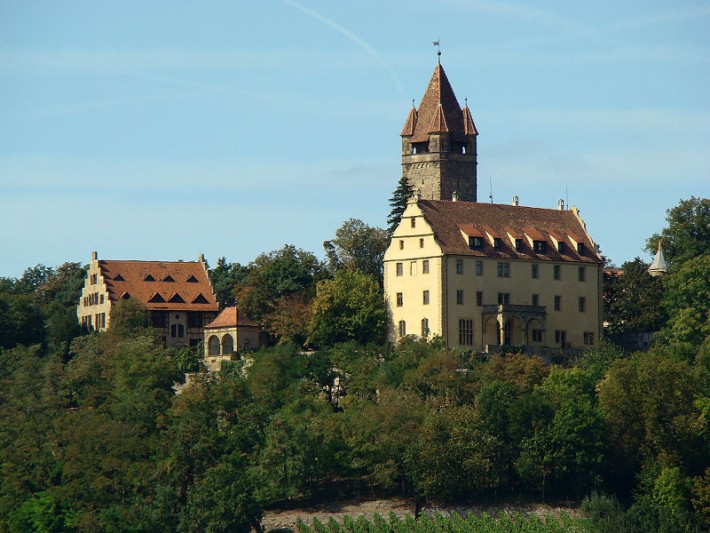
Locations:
(398, 203)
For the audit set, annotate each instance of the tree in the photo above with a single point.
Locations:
(687, 302)
(348, 308)
(225, 278)
(290, 318)
(688, 232)
(632, 299)
(128, 317)
(357, 246)
(276, 274)
(398, 203)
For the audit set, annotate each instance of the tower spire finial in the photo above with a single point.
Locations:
(438, 51)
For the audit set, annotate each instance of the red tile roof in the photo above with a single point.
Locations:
(181, 293)
(230, 317)
(448, 219)
(439, 112)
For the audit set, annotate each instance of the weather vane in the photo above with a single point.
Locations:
(438, 50)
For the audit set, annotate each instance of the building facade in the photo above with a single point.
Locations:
(483, 276)
(178, 296)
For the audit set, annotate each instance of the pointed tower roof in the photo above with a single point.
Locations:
(439, 107)
(411, 122)
(469, 127)
(659, 265)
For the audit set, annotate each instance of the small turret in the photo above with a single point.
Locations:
(659, 265)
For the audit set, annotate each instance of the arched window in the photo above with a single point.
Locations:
(227, 344)
(425, 327)
(402, 328)
(213, 345)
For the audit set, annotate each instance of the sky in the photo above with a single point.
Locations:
(162, 130)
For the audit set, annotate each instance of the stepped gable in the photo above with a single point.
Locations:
(230, 317)
(439, 99)
(160, 285)
(453, 222)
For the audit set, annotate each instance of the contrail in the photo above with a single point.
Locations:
(350, 35)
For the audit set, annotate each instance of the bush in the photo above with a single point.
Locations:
(605, 512)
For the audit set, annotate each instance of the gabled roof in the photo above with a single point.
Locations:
(160, 285)
(448, 219)
(439, 112)
(231, 317)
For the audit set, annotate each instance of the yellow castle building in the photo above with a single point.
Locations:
(483, 275)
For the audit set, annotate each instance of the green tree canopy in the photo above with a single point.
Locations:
(348, 308)
(688, 232)
(357, 246)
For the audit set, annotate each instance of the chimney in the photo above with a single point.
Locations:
(455, 196)
(515, 200)
(560, 205)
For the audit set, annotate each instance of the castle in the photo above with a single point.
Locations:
(483, 276)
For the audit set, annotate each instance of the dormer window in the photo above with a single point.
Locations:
(168, 278)
(156, 298)
(199, 299)
(192, 279)
(118, 277)
(176, 299)
(580, 248)
(560, 247)
(475, 243)
(540, 247)
(518, 245)
(497, 243)
(149, 278)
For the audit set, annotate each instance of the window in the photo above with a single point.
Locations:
(540, 247)
(213, 345)
(158, 318)
(582, 304)
(479, 268)
(557, 274)
(479, 298)
(459, 266)
(413, 222)
(425, 297)
(194, 319)
(413, 268)
(503, 270)
(227, 344)
(475, 243)
(580, 248)
(518, 245)
(536, 300)
(425, 327)
(101, 298)
(537, 335)
(582, 274)
(459, 297)
(497, 243)
(400, 299)
(400, 269)
(503, 298)
(560, 247)
(425, 266)
(466, 332)
(177, 330)
(534, 270)
(100, 320)
(421, 243)
(401, 244)
(560, 337)
(402, 328)
(94, 279)
(558, 303)
(588, 337)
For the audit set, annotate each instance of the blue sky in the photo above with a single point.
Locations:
(162, 130)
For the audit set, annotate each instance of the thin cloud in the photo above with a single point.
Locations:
(350, 35)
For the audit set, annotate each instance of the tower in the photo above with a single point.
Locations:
(439, 153)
